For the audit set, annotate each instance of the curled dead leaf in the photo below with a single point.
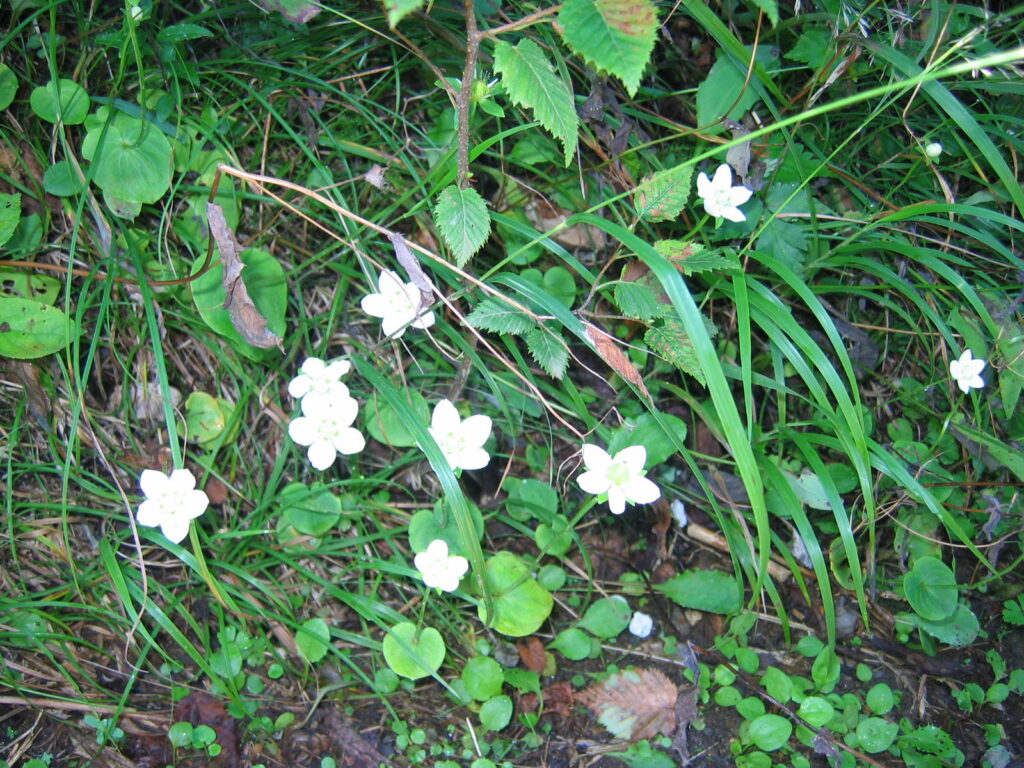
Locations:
(244, 316)
(608, 348)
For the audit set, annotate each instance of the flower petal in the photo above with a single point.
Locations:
(303, 430)
(349, 441)
(182, 480)
(739, 195)
(723, 177)
(704, 188)
(596, 459)
(472, 458)
(321, 454)
(176, 528)
(149, 514)
(616, 500)
(634, 457)
(732, 213)
(640, 490)
(476, 429)
(594, 482)
(445, 417)
(374, 305)
(153, 483)
(299, 386)
(313, 367)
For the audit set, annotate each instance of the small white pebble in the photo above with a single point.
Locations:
(641, 625)
(679, 513)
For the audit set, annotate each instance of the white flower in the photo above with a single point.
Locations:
(438, 568)
(326, 427)
(462, 442)
(136, 12)
(319, 378)
(621, 477)
(641, 625)
(933, 150)
(397, 304)
(721, 198)
(172, 502)
(966, 371)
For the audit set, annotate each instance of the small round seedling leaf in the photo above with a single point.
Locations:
(931, 589)
(816, 711)
(770, 732)
(132, 159)
(880, 699)
(29, 329)
(777, 684)
(62, 180)
(606, 617)
(552, 577)
(521, 605)
(60, 100)
(496, 713)
(483, 677)
(573, 643)
(875, 734)
(386, 426)
(180, 735)
(310, 510)
(8, 86)
(207, 418)
(313, 639)
(413, 654)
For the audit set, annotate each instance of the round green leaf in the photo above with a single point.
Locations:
(573, 643)
(875, 734)
(931, 589)
(62, 180)
(413, 655)
(552, 577)
(520, 604)
(483, 677)
(770, 732)
(310, 510)
(180, 735)
(386, 426)
(960, 629)
(63, 100)
(750, 707)
(778, 684)
(816, 711)
(530, 498)
(496, 713)
(880, 699)
(206, 418)
(554, 539)
(29, 329)
(8, 86)
(313, 639)
(559, 282)
(606, 617)
(132, 159)
(728, 696)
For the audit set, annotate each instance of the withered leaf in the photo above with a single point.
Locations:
(244, 316)
(559, 697)
(532, 653)
(608, 348)
(634, 704)
(412, 267)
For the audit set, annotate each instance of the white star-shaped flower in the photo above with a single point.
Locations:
(720, 197)
(172, 502)
(620, 476)
(966, 370)
(397, 304)
(326, 427)
(641, 625)
(462, 442)
(319, 378)
(438, 568)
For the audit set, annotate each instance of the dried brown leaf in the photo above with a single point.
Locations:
(559, 698)
(608, 348)
(244, 316)
(634, 704)
(532, 653)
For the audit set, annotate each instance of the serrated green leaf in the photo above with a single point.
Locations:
(671, 341)
(531, 82)
(549, 350)
(399, 9)
(638, 301)
(770, 8)
(693, 257)
(662, 195)
(614, 35)
(498, 317)
(461, 218)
